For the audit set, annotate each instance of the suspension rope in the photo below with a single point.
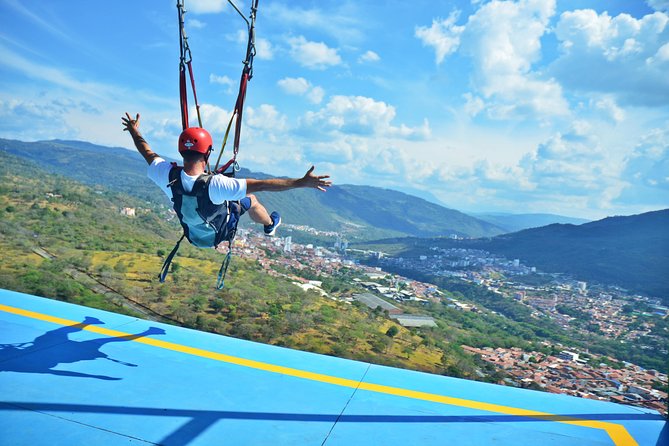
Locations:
(185, 61)
(247, 74)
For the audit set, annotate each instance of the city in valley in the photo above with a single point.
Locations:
(575, 306)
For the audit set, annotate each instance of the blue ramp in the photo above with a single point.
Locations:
(71, 375)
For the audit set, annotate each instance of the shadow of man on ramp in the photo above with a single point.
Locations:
(55, 347)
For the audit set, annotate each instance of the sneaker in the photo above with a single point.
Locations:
(276, 222)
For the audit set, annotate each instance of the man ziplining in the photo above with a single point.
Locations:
(209, 205)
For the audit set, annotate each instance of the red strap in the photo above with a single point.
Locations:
(192, 84)
(240, 109)
(223, 168)
(183, 97)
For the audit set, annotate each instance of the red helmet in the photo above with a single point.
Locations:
(195, 139)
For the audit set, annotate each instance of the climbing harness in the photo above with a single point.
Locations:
(185, 64)
(247, 74)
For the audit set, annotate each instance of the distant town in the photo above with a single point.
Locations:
(609, 311)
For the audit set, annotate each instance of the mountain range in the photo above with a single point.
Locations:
(518, 222)
(358, 212)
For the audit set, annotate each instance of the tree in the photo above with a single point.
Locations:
(120, 267)
(392, 331)
(197, 303)
(218, 305)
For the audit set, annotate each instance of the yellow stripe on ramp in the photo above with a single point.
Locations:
(617, 432)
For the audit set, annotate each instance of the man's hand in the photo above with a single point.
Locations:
(129, 124)
(280, 184)
(132, 126)
(317, 182)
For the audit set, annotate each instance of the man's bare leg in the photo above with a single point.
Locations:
(257, 212)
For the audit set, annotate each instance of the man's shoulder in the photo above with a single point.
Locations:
(159, 170)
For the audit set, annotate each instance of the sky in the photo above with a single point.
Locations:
(525, 106)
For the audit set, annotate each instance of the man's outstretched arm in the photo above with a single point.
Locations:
(279, 184)
(132, 126)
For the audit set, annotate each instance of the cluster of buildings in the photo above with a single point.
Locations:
(568, 373)
(457, 262)
(572, 304)
(564, 373)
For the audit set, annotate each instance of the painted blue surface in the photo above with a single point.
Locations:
(64, 385)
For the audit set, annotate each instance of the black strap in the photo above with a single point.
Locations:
(166, 265)
(220, 283)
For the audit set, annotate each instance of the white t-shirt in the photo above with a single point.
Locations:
(221, 188)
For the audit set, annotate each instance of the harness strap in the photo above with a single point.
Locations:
(166, 265)
(183, 96)
(192, 84)
(185, 60)
(220, 282)
(247, 74)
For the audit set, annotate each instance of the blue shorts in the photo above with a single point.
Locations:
(245, 205)
(237, 209)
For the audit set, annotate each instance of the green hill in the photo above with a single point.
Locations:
(518, 222)
(357, 212)
(631, 251)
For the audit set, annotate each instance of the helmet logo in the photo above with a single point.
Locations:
(188, 144)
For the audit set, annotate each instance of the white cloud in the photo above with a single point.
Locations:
(369, 56)
(473, 105)
(443, 36)
(52, 75)
(164, 133)
(575, 166)
(661, 57)
(48, 119)
(313, 55)
(264, 49)
(205, 6)
(195, 24)
(609, 109)
(503, 58)
(362, 116)
(569, 173)
(658, 5)
(344, 23)
(397, 166)
(215, 119)
(263, 123)
(647, 170)
(302, 87)
(338, 151)
(222, 80)
(293, 85)
(621, 55)
(316, 95)
(266, 117)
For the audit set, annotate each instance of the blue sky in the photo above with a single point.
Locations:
(506, 106)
